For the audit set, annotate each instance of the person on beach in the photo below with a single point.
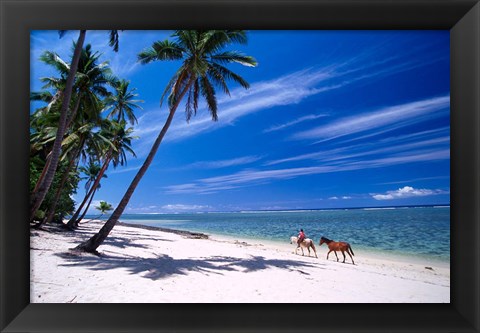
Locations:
(301, 237)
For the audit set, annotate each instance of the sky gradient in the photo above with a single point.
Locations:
(332, 119)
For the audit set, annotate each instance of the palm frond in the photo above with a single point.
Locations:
(215, 40)
(234, 56)
(54, 60)
(114, 42)
(161, 50)
(44, 96)
(187, 39)
(229, 75)
(208, 92)
(219, 79)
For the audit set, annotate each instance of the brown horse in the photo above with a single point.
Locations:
(337, 246)
(307, 242)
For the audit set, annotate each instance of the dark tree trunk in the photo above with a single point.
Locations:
(44, 172)
(86, 208)
(51, 210)
(72, 222)
(73, 114)
(39, 195)
(45, 168)
(96, 240)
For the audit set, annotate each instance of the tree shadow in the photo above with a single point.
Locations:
(164, 266)
(119, 238)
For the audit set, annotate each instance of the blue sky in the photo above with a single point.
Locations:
(332, 119)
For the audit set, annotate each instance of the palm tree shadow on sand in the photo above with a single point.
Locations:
(164, 266)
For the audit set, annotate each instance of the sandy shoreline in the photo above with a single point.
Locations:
(150, 265)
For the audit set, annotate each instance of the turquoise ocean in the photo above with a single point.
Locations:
(422, 232)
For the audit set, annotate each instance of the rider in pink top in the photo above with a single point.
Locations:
(301, 237)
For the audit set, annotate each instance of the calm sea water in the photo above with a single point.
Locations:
(419, 231)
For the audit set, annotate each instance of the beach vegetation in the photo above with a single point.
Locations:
(64, 97)
(90, 142)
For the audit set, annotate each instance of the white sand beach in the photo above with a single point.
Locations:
(140, 265)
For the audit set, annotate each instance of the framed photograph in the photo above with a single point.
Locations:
(377, 104)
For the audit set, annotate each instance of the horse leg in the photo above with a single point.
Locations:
(336, 255)
(329, 253)
(308, 248)
(353, 262)
(343, 256)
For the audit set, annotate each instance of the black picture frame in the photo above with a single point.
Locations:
(461, 17)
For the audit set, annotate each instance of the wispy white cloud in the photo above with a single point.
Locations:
(392, 115)
(366, 149)
(242, 179)
(246, 178)
(294, 122)
(289, 89)
(223, 163)
(126, 169)
(407, 192)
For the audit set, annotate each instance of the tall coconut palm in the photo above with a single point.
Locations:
(121, 104)
(39, 194)
(202, 69)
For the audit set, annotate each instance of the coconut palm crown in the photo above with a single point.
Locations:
(203, 66)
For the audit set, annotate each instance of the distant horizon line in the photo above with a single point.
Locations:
(441, 205)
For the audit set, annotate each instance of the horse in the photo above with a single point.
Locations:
(307, 243)
(338, 246)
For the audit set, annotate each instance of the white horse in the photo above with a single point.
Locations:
(307, 243)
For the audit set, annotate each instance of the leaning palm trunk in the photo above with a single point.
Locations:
(73, 221)
(44, 172)
(96, 240)
(39, 195)
(47, 163)
(86, 208)
(53, 206)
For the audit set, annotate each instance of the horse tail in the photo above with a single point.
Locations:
(351, 249)
(313, 246)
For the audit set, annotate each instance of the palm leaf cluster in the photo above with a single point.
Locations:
(203, 68)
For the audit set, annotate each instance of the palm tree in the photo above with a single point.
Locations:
(39, 194)
(118, 141)
(201, 70)
(91, 172)
(122, 103)
(103, 207)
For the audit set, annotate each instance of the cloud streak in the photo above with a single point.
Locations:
(246, 178)
(294, 122)
(289, 89)
(223, 163)
(398, 115)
